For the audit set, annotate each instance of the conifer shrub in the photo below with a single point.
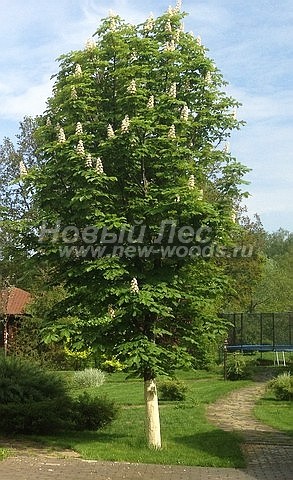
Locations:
(32, 400)
(36, 401)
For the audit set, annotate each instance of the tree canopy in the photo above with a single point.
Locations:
(133, 153)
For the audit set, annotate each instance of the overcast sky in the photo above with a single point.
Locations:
(251, 42)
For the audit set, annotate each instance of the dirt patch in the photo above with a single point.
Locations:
(17, 447)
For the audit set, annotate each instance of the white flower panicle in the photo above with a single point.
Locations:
(184, 113)
(111, 311)
(133, 56)
(198, 40)
(151, 102)
(173, 90)
(125, 124)
(112, 16)
(170, 46)
(177, 198)
(90, 44)
(177, 34)
(168, 26)
(80, 148)
(200, 194)
(172, 132)
(78, 70)
(234, 113)
(149, 24)
(61, 135)
(227, 148)
(99, 166)
(73, 94)
(113, 23)
(48, 122)
(88, 160)
(22, 169)
(171, 10)
(208, 78)
(78, 130)
(191, 181)
(110, 131)
(132, 87)
(182, 27)
(134, 288)
(178, 6)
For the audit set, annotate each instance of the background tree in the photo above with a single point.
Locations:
(274, 292)
(134, 141)
(245, 265)
(15, 204)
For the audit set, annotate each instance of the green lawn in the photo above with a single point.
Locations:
(276, 413)
(187, 437)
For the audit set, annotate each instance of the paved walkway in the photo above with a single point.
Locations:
(269, 453)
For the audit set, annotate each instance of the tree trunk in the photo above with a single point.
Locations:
(5, 337)
(152, 414)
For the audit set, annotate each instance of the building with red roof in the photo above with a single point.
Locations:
(13, 303)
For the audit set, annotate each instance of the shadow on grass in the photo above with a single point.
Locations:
(217, 444)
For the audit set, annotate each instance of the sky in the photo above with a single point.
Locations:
(251, 42)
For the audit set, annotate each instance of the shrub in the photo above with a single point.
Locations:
(92, 412)
(23, 381)
(282, 386)
(112, 365)
(238, 367)
(172, 390)
(32, 400)
(41, 417)
(89, 377)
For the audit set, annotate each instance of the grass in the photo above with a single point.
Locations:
(276, 413)
(187, 437)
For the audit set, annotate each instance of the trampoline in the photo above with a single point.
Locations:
(260, 348)
(260, 332)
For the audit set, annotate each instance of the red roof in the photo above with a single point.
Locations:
(13, 301)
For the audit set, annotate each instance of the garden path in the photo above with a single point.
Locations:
(269, 453)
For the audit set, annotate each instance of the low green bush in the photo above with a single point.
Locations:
(89, 377)
(41, 417)
(112, 365)
(173, 390)
(32, 400)
(282, 386)
(22, 381)
(239, 367)
(93, 412)
(36, 401)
